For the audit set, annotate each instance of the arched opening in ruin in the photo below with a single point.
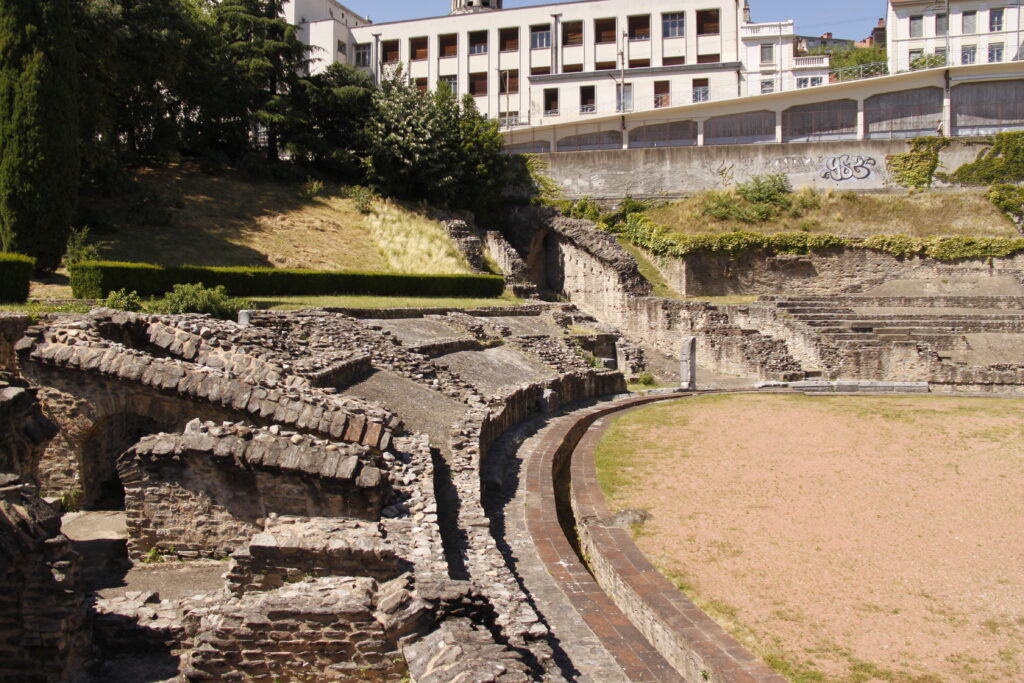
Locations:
(110, 437)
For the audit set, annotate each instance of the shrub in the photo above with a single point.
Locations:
(645, 378)
(1010, 200)
(123, 300)
(78, 249)
(770, 188)
(726, 205)
(362, 197)
(96, 279)
(195, 298)
(311, 189)
(15, 273)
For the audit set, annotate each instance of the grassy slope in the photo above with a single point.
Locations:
(859, 215)
(178, 214)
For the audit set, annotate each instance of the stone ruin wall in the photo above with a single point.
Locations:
(43, 615)
(835, 271)
(595, 273)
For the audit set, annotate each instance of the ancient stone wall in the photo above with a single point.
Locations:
(44, 633)
(12, 327)
(24, 428)
(206, 491)
(835, 271)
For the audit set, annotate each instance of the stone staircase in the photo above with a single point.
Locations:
(852, 334)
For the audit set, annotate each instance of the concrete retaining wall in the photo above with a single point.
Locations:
(676, 171)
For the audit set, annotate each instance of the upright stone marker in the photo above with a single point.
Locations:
(688, 364)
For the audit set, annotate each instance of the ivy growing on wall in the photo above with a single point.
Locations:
(916, 168)
(1003, 162)
(645, 233)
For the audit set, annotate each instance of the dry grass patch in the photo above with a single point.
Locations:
(842, 539)
(925, 214)
(179, 215)
(412, 243)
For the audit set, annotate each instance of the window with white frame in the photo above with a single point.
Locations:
(363, 54)
(673, 25)
(995, 20)
(767, 53)
(917, 26)
(809, 81)
(623, 97)
(995, 52)
(767, 86)
(969, 22)
(701, 90)
(540, 36)
(968, 54)
(915, 55)
(452, 81)
(941, 24)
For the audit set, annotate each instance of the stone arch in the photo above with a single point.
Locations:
(101, 411)
(109, 437)
(833, 120)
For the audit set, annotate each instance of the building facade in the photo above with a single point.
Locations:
(570, 62)
(930, 33)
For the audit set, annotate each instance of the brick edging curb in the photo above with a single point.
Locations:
(690, 642)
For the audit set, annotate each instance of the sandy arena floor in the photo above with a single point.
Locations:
(842, 538)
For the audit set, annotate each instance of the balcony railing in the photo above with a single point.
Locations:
(768, 29)
(588, 108)
(662, 101)
(854, 73)
(551, 112)
(701, 94)
(811, 60)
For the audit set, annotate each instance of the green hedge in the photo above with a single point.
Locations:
(96, 279)
(15, 272)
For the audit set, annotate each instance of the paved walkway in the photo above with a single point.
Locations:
(593, 639)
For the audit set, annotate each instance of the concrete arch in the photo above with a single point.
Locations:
(673, 134)
(738, 129)
(109, 437)
(833, 120)
(904, 113)
(988, 107)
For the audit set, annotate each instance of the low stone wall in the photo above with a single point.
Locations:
(12, 327)
(331, 628)
(691, 641)
(833, 271)
(44, 629)
(24, 428)
(206, 491)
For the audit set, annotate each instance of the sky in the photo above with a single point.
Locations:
(844, 18)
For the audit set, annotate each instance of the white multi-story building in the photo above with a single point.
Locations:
(953, 32)
(570, 62)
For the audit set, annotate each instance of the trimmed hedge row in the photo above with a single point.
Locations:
(15, 272)
(96, 279)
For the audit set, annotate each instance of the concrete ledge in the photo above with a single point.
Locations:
(847, 386)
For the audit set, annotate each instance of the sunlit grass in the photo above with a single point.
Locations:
(412, 243)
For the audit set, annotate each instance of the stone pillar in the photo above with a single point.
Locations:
(700, 133)
(688, 364)
(778, 127)
(862, 131)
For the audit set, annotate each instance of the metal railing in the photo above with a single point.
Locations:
(588, 108)
(550, 112)
(662, 100)
(701, 94)
(858, 72)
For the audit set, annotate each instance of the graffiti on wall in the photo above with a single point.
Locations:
(847, 167)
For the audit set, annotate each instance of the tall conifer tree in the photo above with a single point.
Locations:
(39, 159)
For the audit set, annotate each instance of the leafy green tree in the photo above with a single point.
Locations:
(330, 110)
(39, 157)
(433, 147)
(264, 62)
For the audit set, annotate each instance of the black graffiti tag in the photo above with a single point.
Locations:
(848, 167)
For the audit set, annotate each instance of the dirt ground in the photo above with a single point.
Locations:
(842, 538)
